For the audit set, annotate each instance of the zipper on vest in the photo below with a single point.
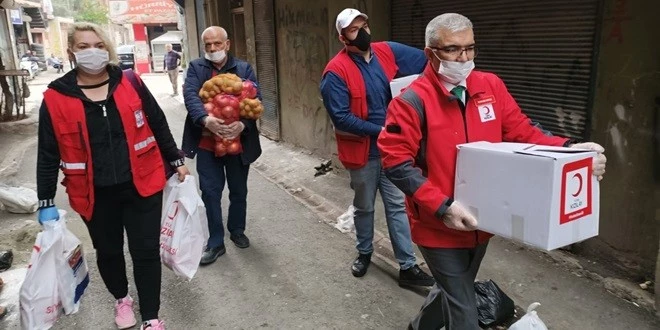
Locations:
(112, 158)
(463, 110)
(463, 107)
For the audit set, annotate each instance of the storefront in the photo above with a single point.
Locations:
(149, 19)
(544, 53)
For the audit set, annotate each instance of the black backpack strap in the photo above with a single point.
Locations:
(137, 85)
(411, 97)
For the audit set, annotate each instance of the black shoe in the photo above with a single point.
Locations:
(415, 276)
(360, 265)
(240, 240)
(211, 255)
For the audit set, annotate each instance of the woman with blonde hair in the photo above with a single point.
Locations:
(108, 135)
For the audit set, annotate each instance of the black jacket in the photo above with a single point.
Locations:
(199, 71)
(110, 159)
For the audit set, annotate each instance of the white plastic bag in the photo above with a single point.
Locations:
(184, 228)
(529, 321)
(18, 199)
(39, 295)
(56, 278)
(73, 274)
(346, 222)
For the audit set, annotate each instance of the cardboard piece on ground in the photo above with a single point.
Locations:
(543, 196)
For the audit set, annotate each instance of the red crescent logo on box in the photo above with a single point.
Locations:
(578, 204)
(171, 215)
(487, 111)
(579, 190)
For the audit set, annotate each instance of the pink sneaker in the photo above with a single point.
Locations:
(124, 316)
(153, 325)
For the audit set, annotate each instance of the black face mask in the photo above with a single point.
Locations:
(362, 41)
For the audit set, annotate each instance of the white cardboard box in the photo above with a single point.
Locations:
(543, 196)
(399, 84)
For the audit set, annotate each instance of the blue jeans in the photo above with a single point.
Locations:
(365, 182)
(212, 172)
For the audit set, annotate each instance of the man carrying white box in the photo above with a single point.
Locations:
(447, 106)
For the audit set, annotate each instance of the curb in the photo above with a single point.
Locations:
(26, 126)
(329, 212)
(14, 158)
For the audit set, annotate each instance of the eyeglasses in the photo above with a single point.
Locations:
(456, 52)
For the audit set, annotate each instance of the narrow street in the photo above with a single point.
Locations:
(294, 275)
(296, 272)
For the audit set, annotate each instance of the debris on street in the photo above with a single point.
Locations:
(18, 199)
(324, 168)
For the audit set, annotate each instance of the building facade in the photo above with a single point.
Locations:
(587, 69)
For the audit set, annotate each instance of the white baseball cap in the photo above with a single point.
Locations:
(346, 17)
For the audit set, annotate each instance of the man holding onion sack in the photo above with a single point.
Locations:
(223, 104)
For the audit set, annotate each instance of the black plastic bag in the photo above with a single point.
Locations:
(6, 258)
(494, 307)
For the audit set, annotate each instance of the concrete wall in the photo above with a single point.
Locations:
(250, 35)
(7, 41)
(191, 48)
(58, 45)
(626, 120)
(306, 40)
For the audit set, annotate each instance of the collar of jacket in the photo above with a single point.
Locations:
(357, 56)
(474, 84)
(231, 63)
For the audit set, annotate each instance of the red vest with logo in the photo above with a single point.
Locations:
(70, 126)
(353, 150)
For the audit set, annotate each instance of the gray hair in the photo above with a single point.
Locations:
(450, 21)
(215, 29)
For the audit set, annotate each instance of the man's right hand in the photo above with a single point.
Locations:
(458, 218)
(214, 125)
(48, 214)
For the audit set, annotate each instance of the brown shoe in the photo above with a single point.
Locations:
(3, 312)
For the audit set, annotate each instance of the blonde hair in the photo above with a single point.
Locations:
(86, 26)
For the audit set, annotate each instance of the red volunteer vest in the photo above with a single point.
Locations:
(70, 126)
(353, 150)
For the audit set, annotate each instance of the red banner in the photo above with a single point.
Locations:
(143, 11)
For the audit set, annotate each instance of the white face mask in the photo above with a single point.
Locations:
(92, 60)
(216, 57)
(454, 72)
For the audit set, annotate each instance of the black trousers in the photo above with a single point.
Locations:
(451, 303)
(118, 208)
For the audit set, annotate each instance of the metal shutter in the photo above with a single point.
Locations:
(264, 28)
(543, 50)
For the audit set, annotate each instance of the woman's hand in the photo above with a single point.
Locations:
(182, 171)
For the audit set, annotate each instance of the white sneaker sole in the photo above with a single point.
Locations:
(126, 326)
